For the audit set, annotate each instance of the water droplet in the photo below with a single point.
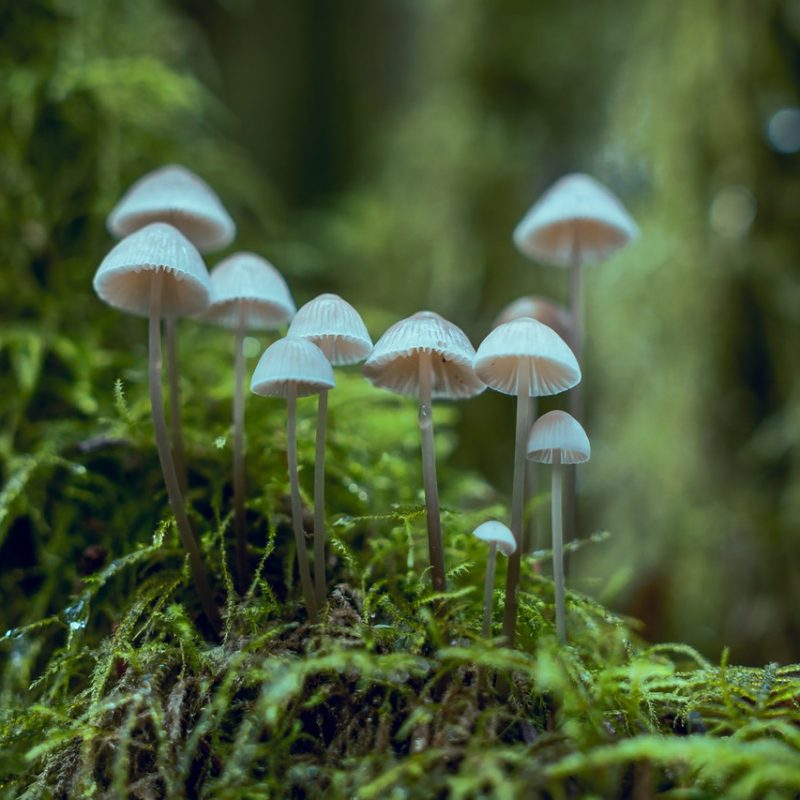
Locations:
(343, 521)
(425, 416)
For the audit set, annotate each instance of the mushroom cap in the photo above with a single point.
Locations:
(494, 531)
(123, 278)
(335, 327)
(553, 367)
(292, 360)
(394, 362)
(557, 430)
(576, 210)
(247, 281)
(176, 195)
(542, 310)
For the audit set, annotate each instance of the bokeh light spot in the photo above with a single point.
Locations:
(732, 212)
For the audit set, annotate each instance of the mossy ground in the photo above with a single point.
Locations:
(113, 686)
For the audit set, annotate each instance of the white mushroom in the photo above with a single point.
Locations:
(337, 329)
(527, 359)
(500, 538)
(155, 272)
(425, 356)
(247, 293)
(558, 438)
(293, 367)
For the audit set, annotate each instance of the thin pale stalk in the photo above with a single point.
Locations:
(529, 538)
(319, 500)
(488, 589)
(558, 549)
(297, 511)
(517, 501)
(435, 547)
(242, 566)
(575, 396)
(178, 447)
(165, 458)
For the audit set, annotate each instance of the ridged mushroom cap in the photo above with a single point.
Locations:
(553, 367)
(175, 195)
(494, 531)
(576, 211)
(557, 430)
(292, 360)
(394, 361)
(245, 281)
(335, 327)
(123, 278)
(542, 310)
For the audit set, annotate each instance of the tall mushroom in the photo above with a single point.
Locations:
(337, 329)
(175, 195)
(293, 367)
(527, 359)
(500, 538)
(247, 293)
(560, 320)
(155, 272)
(557, 438)
(426, 357)
(576, 222)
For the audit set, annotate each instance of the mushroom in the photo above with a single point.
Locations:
(175, 195)
(293, 367)
(527, 359)
(559, 319)
(577, 221)
(557, 438)
(499, 537)
(337, 329)
(426, 357)
(154, 272)
(247, 293)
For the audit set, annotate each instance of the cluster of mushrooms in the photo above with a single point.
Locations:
(170, 216)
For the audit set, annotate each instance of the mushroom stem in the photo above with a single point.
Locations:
(238, 455)
(488, 589)
(319, 500)
(517, 500)
(297, 512)
(178, 448)
(165, 457)
(529, 536)
(576, 393)
(435, 547)
(558, 549)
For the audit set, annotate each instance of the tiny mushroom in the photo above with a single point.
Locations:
(156, 272)
(426, 357)
(557, 438)
(500, 538)
(527, 359)
(337, 329)
(175, 195)
(293, 367)
(247, 293)
(577, 221)
(560, 320)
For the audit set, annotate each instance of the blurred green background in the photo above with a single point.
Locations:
(384, 150)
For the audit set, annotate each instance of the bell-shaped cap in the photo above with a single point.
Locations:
(557, 430)
(552, 367)
(123, 278)
(335, 327)
(246, 283)
(576, 214)
(175, 195)
(495, 532)
(542, 310)
(394, 362)
(292, 360)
